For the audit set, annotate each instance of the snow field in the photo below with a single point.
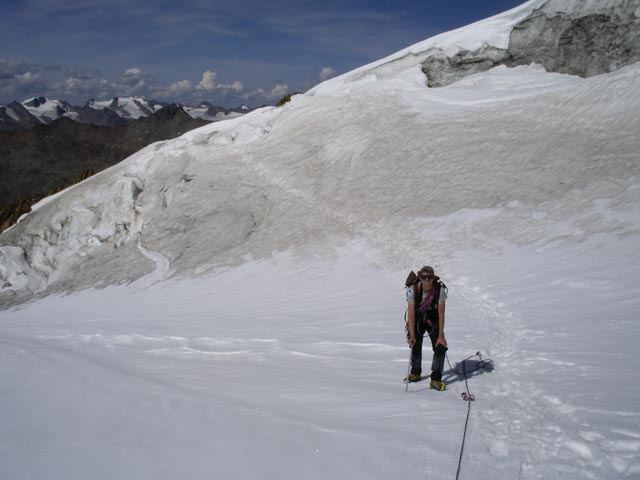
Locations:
(565, 333)
(184, 377)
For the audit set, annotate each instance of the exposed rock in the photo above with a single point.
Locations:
(36, 102)
(100, 117)
(15, 117)
(214, 110)
(442, 70)
(585, 45)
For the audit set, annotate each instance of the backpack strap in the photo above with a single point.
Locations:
(417, 293)
(441, 285)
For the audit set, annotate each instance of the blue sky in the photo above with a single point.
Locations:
(226, 52)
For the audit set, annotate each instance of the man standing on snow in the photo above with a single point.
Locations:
(426, 300)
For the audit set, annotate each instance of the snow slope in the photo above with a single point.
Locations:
(186, 379)
(249, 317)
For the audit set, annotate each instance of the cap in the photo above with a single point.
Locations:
(427, 269)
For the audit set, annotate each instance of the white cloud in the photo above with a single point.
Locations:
(257, 93)
(279, 91)
(74, 87)
(72, 84)
(176, 91)
(135, 81)
(27, 77)
(260, 95)
(20, 80)
(208, 84)
(208, 81)
(180, 87)
(326, 73)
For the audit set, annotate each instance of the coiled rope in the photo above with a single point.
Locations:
(467, 396)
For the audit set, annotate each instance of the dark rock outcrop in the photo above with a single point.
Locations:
(577, 44)
(585, 46)
(442, 70)
(103, 117)
(15, 117)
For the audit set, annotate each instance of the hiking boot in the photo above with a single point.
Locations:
(412, 377)
(438, 385)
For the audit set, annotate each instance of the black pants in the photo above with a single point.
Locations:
(430, 326)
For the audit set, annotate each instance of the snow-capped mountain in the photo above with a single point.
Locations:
(118, 111)
(128, 107)
(207, 111)
(249, 320)
(36, 111)
(46, 110)
(16, 116)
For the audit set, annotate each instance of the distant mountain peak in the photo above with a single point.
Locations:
(116, 111)
(35, 101)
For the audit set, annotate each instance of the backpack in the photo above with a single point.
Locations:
(414, 281)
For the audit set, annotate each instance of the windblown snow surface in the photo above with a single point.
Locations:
(249, 323)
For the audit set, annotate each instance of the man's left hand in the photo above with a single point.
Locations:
(442, 341)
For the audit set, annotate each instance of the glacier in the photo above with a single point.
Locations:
(229, 304)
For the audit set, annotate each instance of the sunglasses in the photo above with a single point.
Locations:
(424, 276)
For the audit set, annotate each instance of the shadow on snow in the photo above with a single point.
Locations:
(455, 374)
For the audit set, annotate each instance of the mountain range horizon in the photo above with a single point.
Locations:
(42, 110)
